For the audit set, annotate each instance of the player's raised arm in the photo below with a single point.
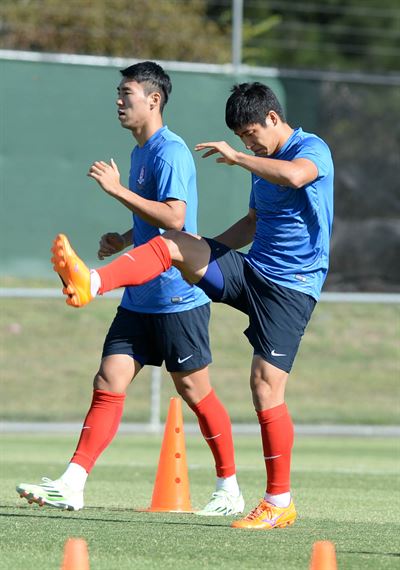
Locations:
(169, 214)
(294, 173)
(228, 155)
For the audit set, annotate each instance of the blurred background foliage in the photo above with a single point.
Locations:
(356, 35)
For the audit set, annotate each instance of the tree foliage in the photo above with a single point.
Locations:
(354, 35)
(168, 29)
(359, 35)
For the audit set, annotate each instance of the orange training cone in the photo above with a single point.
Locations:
(76, 555)
(323, 556)
(171, 487)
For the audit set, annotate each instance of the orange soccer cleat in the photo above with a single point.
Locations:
(266, 516)
(72, 271)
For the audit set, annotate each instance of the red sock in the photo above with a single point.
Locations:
(277, 438)
(100, 426)
(136, 266)
(215, 425)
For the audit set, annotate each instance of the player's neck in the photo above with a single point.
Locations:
(144, 132)
(285, 134)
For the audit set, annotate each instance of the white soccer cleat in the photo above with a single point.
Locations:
(53, 493)
(222, 504)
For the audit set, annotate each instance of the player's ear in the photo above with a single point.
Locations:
(155, 100)
(271, 119)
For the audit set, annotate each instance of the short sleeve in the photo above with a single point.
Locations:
(317, 151)
(173, 169)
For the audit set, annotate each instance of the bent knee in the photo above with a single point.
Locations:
(266, 393)
(115, 373)
(185, 389)
(110, 384)
(103, 382)
(173, 239)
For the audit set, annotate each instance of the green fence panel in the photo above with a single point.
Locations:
(57, 119)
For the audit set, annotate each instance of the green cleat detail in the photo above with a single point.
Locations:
(52, 493)
(222, 504)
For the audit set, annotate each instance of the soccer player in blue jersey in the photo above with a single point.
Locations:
(164, 320)
(277, 283)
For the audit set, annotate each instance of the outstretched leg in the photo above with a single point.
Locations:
(189, 253)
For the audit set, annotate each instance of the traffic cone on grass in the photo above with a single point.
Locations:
(323, 556)
(171, 488)
(76, 555)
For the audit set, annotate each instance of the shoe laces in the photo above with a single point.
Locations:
(262, 507)
(220, 495)
(51, 483)
(47, 481)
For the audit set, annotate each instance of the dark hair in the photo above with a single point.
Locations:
(154, 78)
(249, 104)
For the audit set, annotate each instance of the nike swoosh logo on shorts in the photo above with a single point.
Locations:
(180, 360)
(274, 353)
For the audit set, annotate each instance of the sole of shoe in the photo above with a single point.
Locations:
(207, 514)
(280, 525)
(41, 501)
(60, 266)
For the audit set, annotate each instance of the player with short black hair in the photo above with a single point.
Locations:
(152, 77)
(164, 320)
(249, 104)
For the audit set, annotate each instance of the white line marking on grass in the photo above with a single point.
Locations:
(190, 428)
(327, 297)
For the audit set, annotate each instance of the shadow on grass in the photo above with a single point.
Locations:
(369, 552)
(68, 516)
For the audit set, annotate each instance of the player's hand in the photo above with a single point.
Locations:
(228, 154)
(110, 244)
(106, 175)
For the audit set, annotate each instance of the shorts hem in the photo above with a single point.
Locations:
(268, 358)
(188, 368)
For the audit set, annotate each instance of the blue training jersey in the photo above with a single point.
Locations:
(293, 228)
(162, 169)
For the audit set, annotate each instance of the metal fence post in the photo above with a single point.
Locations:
(237, 36)
(155, 399)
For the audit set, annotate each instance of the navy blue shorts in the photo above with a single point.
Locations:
(180, 339)
(278, 315)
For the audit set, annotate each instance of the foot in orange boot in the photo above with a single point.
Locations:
(72, 271)
(266, 516)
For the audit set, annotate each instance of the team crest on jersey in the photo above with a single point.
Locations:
(141, 175)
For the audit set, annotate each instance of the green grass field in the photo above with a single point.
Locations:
(346, 490)
(347, 369)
